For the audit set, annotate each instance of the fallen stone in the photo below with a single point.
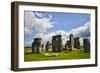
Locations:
(51, 55)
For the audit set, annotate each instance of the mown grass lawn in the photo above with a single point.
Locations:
(67, 55)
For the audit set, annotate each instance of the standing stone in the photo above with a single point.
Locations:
(42, 47)
(59, 43)
(71, 42)
(47, 46)
(36, 45)
(33, 47)
(76, 43)
(66, 46)
(86, 44)
(56, 43)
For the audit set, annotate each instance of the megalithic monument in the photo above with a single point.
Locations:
(36, 45)
(57, 43)
(86, 44)
(71, 42)
(77, 43)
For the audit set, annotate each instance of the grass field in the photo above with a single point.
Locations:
(67, 55)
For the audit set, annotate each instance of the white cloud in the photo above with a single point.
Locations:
(29, 16)
(40, 25)
(28, 22)
(39, 35)
(39, 14)
(77, 32)
(50, 16)
(81, 30)
(27, 31)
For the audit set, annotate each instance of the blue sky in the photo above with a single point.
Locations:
(52, 22)
(68, 21)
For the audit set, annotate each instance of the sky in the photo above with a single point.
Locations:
(39, 24)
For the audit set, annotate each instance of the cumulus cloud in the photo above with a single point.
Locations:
(27, 31)
(82, 32)
(36, 25)
(39, 14)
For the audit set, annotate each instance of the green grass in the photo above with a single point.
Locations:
(68, 55)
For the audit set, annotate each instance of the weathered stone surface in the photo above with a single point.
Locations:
(57, 43)
(42, 47)
(47, 47)
(71, 42)
(76, 43)
(66, 46)
(86, 44)
(51, 55)
(36, 45)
